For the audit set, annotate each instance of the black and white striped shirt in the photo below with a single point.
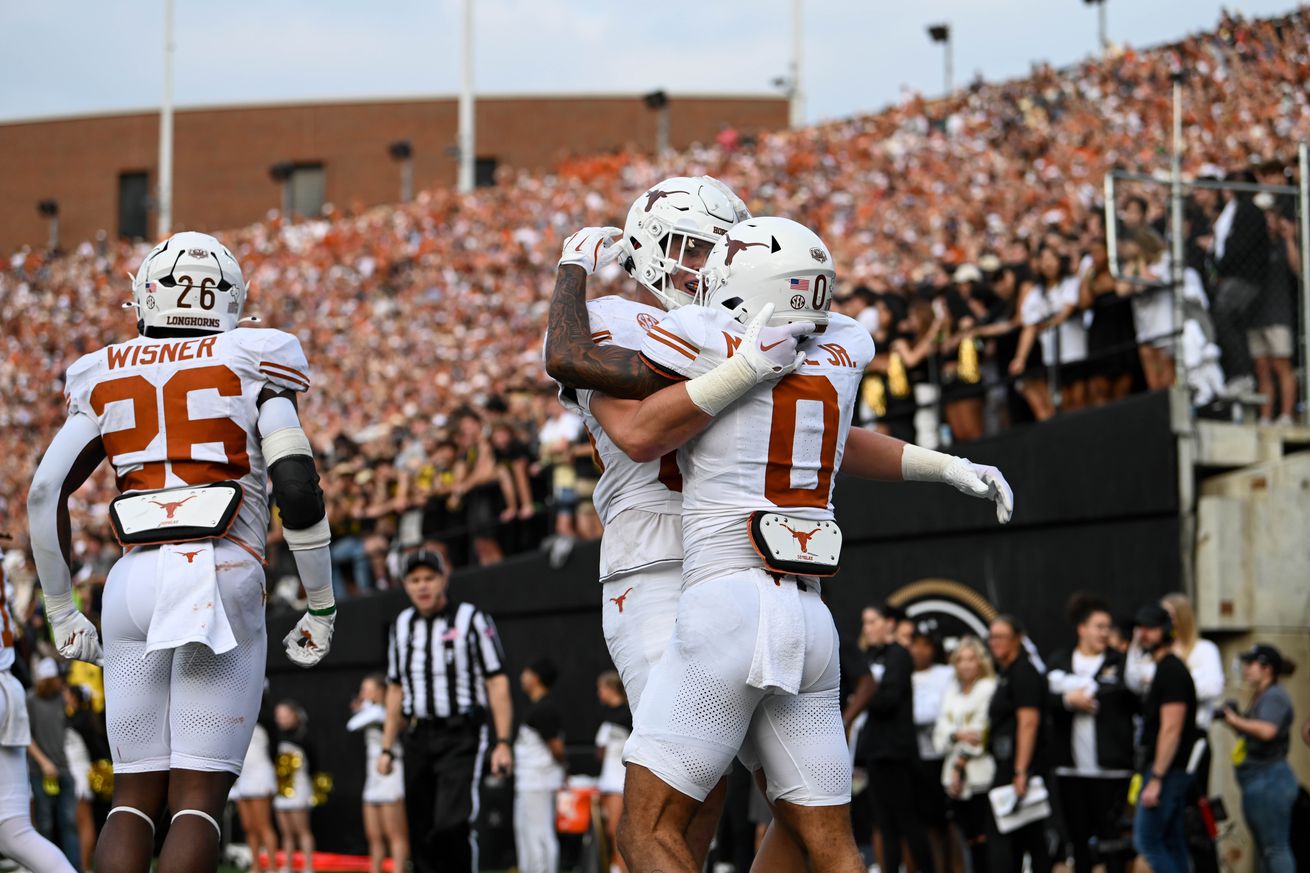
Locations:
(442, 662)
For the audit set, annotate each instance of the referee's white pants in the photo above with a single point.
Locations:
(535, 841)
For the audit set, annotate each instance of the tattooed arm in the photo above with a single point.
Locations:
(573, 359)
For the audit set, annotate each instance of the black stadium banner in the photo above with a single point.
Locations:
(1096, 510)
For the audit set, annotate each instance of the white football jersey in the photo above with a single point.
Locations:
(778, 448)
(176, 412)
(652, 487)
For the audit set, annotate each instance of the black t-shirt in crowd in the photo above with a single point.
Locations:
(888, 734)
(1172, 684)
(1018, 686)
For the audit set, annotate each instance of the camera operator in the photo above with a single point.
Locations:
(1268, 785)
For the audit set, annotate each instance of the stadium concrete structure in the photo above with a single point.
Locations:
(101, 170)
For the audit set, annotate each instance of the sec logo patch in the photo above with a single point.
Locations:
(646, 321)
(797, 301)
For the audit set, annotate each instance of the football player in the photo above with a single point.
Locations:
(197, 416)
(667, 236)
(778, 448)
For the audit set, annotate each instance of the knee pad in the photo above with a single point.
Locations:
(206, 816)
(136, 812)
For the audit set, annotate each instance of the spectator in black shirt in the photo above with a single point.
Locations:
(1168, 733)
(1240, 252)
(1017, 743)
(1091, 712)
(1268, 784)
(888, 746)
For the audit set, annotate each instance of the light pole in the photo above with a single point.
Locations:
(49, 210)
(942, 33)
(467, 140)
(658, 101)
(164, 192)
(1101, 36)
(403, 153)
(797, 97)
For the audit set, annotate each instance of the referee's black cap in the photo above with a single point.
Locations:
(425, 558)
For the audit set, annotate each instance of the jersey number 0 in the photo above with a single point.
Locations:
(812, 424)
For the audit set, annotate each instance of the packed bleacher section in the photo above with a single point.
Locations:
(955, 225)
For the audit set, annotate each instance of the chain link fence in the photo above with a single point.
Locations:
(1217, 288)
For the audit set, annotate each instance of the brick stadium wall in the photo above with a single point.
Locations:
(222, 156)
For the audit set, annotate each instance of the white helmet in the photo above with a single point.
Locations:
(190, 281)
(771, 260)
(684, 207)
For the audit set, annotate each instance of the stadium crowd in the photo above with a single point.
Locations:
(968, 232)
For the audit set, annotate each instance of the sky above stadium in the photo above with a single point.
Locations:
(66, 57)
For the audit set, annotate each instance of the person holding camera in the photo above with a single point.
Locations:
(1268, 785)
(1168, 734)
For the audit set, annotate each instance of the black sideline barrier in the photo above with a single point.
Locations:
(1096, 509)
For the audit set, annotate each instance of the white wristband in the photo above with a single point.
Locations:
(923, 465)
(716, 390)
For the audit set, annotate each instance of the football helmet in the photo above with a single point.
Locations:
(190, 281)
(660, 224)
(770, 260)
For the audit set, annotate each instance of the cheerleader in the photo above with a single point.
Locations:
(615, 728)
(295, 762)
(254, 790)
(384, 796)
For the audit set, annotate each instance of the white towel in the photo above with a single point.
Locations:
(188, 608)
(779, 657)
(15, 730)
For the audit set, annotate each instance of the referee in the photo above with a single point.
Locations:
(445, 671)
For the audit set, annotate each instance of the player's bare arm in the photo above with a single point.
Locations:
(573, 359)
(648, 429)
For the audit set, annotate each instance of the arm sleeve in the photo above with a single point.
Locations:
(489, 651)
(1171, 680)
(49, 486)
(282, 361)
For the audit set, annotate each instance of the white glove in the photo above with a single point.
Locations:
(592, 248)
(75, 636)
(310, 639)
(979, 480)
(761, 357)
(772, 350)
